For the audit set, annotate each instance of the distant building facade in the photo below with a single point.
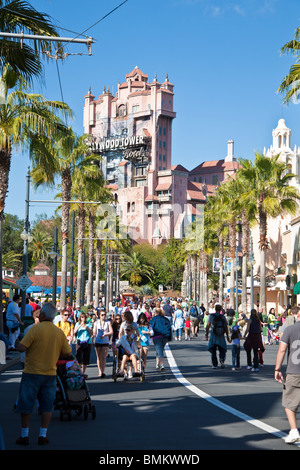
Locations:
(132, 131)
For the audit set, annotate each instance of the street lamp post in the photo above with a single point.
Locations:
(27, 238)
(54, 254)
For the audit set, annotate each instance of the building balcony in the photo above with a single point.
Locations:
(165, 198)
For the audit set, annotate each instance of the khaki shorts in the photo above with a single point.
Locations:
(291, 392)
(194, 321)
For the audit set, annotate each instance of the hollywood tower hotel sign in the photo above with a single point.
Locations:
(132, 131)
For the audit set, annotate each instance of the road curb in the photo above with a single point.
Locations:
(9, 363)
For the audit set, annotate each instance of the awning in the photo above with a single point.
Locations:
(163, 186)
(35, 289)
(297, 288)
(58, 290)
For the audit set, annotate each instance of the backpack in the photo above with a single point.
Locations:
(193, 312)
(161, 326)
(218, 325)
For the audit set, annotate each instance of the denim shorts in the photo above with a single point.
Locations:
(159, 343)
(36, 387)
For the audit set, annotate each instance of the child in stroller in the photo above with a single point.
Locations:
(72, 392)
(74, 376)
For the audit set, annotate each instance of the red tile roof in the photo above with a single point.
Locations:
(179, 168)
(215, 165)
(195, 190)
(136, 71)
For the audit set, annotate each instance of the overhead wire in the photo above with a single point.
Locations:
(81, 34)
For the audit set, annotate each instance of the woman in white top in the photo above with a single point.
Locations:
(101, 332)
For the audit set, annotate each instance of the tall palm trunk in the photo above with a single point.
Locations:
(232, 244)
(109, 277)
(98, 268)
(221, 265)
(81, 226)
(245, 249)
(263, 245)
(205, 274)
(5, 162)
(66, 183)
(91, 257)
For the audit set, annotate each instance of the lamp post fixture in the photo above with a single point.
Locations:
(54, 254)
(251, 262)
(27, 238)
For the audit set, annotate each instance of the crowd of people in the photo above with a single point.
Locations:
(129, 330)
(103, 327)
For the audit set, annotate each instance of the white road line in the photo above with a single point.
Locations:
(214, 401)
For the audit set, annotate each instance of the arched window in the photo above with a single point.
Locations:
(122, 110)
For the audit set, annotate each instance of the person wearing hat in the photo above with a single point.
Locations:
(236, 347)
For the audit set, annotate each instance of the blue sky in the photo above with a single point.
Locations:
(222, 56)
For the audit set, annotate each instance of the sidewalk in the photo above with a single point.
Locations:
(14, 359)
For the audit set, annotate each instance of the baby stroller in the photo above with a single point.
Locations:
(68, 399)
(272, 336)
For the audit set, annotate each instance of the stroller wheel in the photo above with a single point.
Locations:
(85, 412)
(61, 415)
(93, 411)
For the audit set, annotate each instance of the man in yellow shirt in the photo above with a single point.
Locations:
(44, 344)
(66, 326)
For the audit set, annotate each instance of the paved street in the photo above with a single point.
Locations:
(189, 407)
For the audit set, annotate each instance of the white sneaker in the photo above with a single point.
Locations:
(292, 437)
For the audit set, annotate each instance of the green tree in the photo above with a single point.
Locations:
(61, 157)
(40, 246)
(136, 269)
(269, 190)
(12, 229)
(290, 85)
(18, 16)
(23, 115)
(175, 254)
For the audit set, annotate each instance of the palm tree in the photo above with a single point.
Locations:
(95, 191)
(60, 159)
(137, 268)
(18, 16)
(215, 214)
(290, 86)
(268, 190)
(229, 201)
(40, 246)
(23, 115)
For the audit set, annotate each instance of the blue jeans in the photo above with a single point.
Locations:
(222, 354)
(178, 333)
(236, 350)
(160, 343)
(36, 387)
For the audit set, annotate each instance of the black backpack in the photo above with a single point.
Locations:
(218, 325)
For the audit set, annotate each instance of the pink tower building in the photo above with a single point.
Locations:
(132, 131)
